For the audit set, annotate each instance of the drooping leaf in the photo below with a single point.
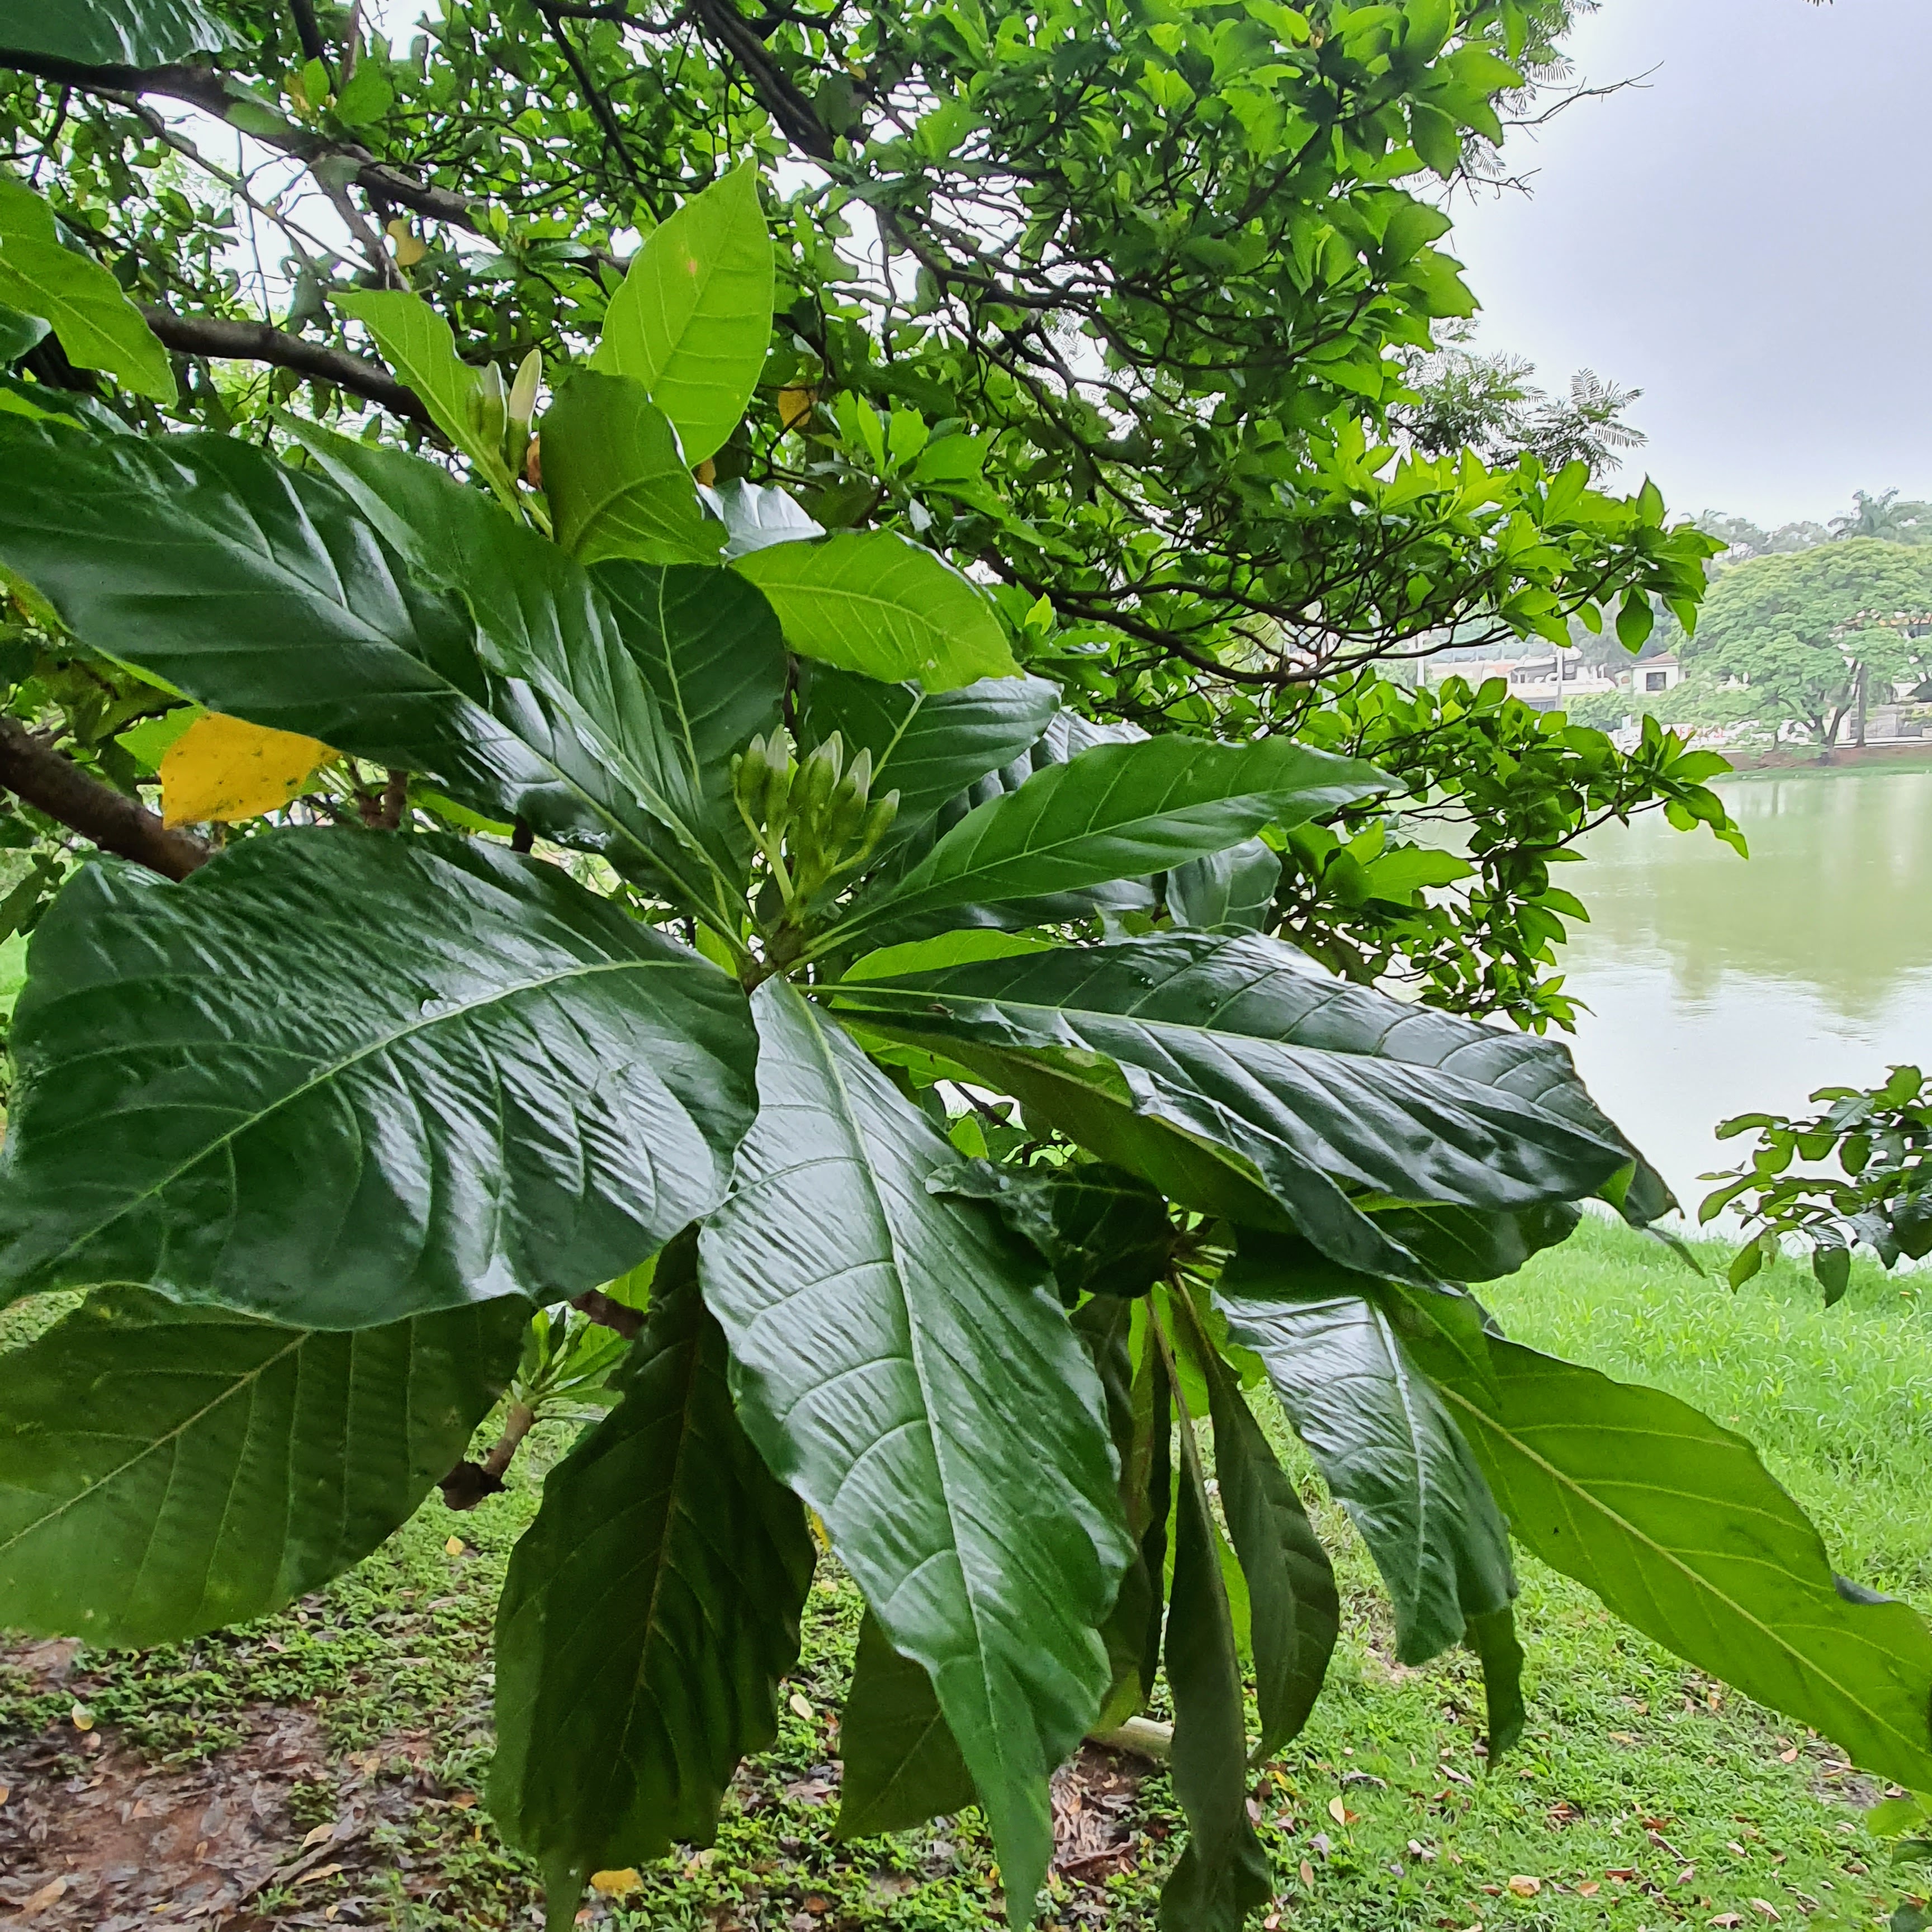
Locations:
(420, 347)
(338, 1077)
(1470, 1244)
(1241, 1079)
(871, 602)
(902, 1765)
(928, 746)
(1294, 1613)
(223, 769)
(1674, 1523)
(756, 516)
(649, 1612)
(710, 648)
(1152, 1476)
(98, 326)
(908, 1372)
(18, 333)
(165, 1470)
(1117, 811)
(693, 320)
(1385, 1444)
(1223, 1874)
(112, 33)
(1106, 1324)
(1492, 1637)
(617, 484)
(1232, 888)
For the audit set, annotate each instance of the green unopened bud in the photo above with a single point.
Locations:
(749, 773)
(859, 774)
(878, 823)
(817, 778)
(522, 403)
(489, 407)
(779, 773)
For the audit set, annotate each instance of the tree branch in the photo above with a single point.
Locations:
(51, 782)
(257, 342)
(720, 22)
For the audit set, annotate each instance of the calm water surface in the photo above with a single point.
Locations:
(1719, 987)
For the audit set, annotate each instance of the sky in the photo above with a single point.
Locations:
(1747, 239)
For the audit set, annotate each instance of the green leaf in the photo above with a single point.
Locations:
(693, 320)
(113, 33)
(902, 1765)
(1469, 1244)
(1223, 1874)
(165, 1470)
(871, 602)
(928, 746)
(756, 517)
(1235, 887)
(1385, 1444)
(1492, 1637)
(1294, 1613)
(709, 649)
(1675, 1524)
(336, 1078)
(907, 1373)
(1241, 1079)
(649, 1612)
(1833, 1269)
(18, 334)
(421, 347)
(617, 484)
(98, 326)
(577, 678)
(1117, 811)
(1103, 1231)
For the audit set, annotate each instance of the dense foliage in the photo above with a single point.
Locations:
(652, 889)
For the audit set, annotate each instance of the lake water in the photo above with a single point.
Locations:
(1719, 986)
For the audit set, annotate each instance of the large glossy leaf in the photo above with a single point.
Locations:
(1386, 1446)
(648, 1615)
(578, 680)
(167, 1470)
(338, 1077)
(111, 33)
(1116, 812)
(709, 649)
(261, 592)
(906, 1369)
(870, 601)
(902, 1764)
(98, 326)
(928, 746)
(1240, 1079)
(693, 320)
(1492, 1637)
(1294, 1613)
(756, 516)
(1223, 1874)
(1676, 1525)
(616, 480)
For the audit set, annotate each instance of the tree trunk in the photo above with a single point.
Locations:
(1864, 678)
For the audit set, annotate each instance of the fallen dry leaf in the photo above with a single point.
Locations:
(320, 1872)
(49, 1893)
(1308, 1875)
(464, 1800)
(1588, 1888)
(320, 1835)
(6, 1791)
(454, 1546)
(83, 1718)
(1340, 1812)
(1524, 1886)
(1769, 1910)
(1789, 1756)
(616, 1884)
(801, 1705)
(1727, 1922)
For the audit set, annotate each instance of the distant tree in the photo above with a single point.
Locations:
(1886, 517)
(1744, 539)
(1802, 629)
(1488, 404)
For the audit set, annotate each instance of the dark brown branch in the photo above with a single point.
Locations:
(593, 95)
(308, 30)
(628, 1322)
(257, 342)
(51, 782)
(720, 22)
(468, 1483)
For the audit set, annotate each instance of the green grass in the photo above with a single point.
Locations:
(1634, 1764)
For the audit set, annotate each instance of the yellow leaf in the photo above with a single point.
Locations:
(454, 1546)
(1340, 1812)
(320, 1835)
(410, 246)
(1526, 1887)
(707, 471)
(616, 1884)
(49, 1893)
(222, 768)
(6, 1791)
(795, 404)
(83, 1718)
(800, 1707)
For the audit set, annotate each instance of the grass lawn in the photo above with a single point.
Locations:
(326, 1763)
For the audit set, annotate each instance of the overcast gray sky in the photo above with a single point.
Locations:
(1748, 240)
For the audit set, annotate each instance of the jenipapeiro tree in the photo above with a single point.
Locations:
(728, 914)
